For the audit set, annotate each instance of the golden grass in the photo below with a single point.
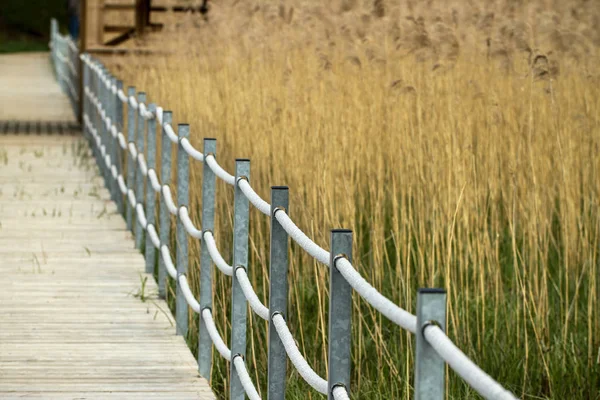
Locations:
(459, 142)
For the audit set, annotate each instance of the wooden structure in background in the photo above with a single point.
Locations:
(142, 11)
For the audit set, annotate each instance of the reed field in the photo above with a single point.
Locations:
(459, 140)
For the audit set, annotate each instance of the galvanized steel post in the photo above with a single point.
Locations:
(110, 107)
(340, 314)
(85, 100)
(131, 120)
(97, 117)
(139, 182)
(183, 181)
(208, 223)
(241, 217)
(98, 120)
(150, 194)
(104, 130)
(91, 109)
(53, 32)
(118, 113)
(278, 293)
(165, 216)
(429, 366)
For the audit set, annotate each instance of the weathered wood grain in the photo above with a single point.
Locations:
(72, 321)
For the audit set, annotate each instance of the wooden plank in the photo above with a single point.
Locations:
(72, 321)
(29, 89)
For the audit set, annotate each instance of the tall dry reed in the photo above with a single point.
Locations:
(459, 140)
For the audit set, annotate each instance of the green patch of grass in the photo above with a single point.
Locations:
(21, 45)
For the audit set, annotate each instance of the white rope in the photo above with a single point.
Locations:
(113, 89)
(141, 215)
(131, 197)
(170, 133)
(340, 393)
(319, 253)
(142, 163)
(122, 184)
(153, 235)
(214, 334)
(215, 255)
(166, 191)
(309, 375)
(192, 152)
(253, 197)
(220, 172)
(159, 115)
(255, 303)
(456, 359)
(166, 256)
(122, 141)
(154, 180)
(384, 305)
(144, 112)
(122, 96)
(242, 372)
(133, 150)
(188, 224)
(463, 366)
(187, 293)
(133, 102)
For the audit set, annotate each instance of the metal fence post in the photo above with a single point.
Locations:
(429, 366)
(208, 224)
(97, 121)
(278, 293)
(91, 110)
(131, 120)
(150, 194)
(110, 110)
(118, 113)
(104, 131)
(183, 181)
(76, 80)
(241, 217)
(139, 181)
(85, 100)
(95, 114)
(165, 215)
(53, 32)
(340, 314)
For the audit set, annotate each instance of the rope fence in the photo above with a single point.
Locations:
(104, 103)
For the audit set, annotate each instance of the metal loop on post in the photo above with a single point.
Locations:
(239, 267)
(276, 313)
(279, 208)
(338, 385)
(241, 178)
(337, 257)
(429, 323)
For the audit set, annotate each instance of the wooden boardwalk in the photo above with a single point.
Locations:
(76, 320)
